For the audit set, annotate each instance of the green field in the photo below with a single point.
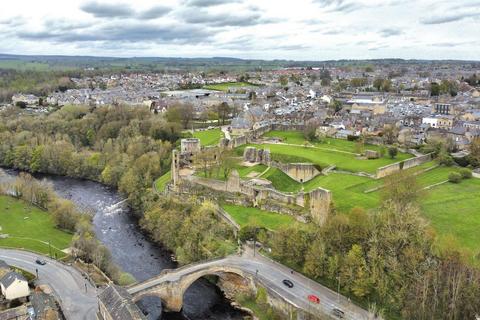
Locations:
(324, 158)
(161, 182)
(30, 228)
(454, 209)
(252, 216)
(296, 137)
(209, 137)
(227, 85)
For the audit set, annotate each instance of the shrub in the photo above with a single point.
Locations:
(466, 173)
(392, 152)
(445, 159)
(454, 177)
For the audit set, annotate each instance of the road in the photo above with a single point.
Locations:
(271, 274)
(67, 283)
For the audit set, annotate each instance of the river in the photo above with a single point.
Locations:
(134, 253)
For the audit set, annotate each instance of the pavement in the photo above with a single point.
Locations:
(271, 274)
(77, 297)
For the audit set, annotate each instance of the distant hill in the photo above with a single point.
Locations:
(59, 62)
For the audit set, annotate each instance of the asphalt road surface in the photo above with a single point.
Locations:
(77, 296)
(271, 275)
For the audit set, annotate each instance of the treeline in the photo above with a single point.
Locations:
(68, 218)
(40, 83)
(193, 232)
(123, 147)
(388, 259)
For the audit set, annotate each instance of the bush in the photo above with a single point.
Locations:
(445, 159)
(465, 173)
(125, 279)
(454, 177)
(392, 152)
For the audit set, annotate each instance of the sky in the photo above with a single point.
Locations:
(249, 29)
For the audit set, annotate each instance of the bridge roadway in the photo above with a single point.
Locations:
(270, 274)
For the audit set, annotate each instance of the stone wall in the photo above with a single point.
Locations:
(252, 154)
(402, 165)
(301, 172)
(190, 145)
(410, 163)
(320, 202)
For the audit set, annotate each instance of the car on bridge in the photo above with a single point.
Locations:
(338, 313)
(288, 283)
(313, 298)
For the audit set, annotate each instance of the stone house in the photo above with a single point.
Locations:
(14, 286)
(116, 303)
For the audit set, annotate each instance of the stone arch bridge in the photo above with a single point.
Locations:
(241, 273)
(170, 285)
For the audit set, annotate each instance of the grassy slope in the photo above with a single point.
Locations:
(249, 216)
(21, 220)
(161, 182)
(209, 137)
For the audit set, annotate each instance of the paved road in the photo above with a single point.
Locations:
(271, 275)
(66, 282)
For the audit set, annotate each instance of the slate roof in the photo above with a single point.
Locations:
(10, 278)
(119, 303)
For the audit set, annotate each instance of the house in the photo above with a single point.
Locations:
(375, 104)
(28, 99)
(116, 303)
(14, 286)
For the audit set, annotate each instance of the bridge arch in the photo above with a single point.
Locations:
(171, 288)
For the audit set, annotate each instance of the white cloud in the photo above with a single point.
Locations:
(266, 29)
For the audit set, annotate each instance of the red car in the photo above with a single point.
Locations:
(313, 298)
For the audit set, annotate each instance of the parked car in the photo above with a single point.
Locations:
(288, 283)
(41, 262)
(313, 298)
(338, 313)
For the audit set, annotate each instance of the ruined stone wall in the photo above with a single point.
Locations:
(410, 163)
(190, 145)
(320, 201)
(287, 127)
(300, 172)
(252, 154)
(402, 165)
(233, 182)
(388, 170)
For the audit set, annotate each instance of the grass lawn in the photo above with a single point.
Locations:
(454, 209)
(296, 137)
(161, 182)
(325, 158)
(30, 228)
(244, 171)
(254, 216)
(209, 137)
(225, 86)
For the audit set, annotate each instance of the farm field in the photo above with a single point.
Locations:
(225, 86)
(209, 137)
(253, 216)
(30, 228)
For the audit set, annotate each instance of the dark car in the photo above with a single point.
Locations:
(338, 313)
(41, 262)
(288, 283)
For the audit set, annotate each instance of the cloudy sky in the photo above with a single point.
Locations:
(265, 29)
